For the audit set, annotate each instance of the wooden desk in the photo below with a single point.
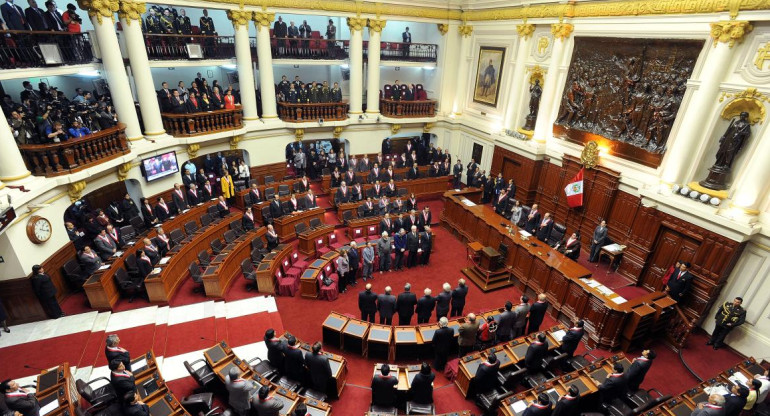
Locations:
(240, 201)
(405, 342)
(378, 342)
(615, 256)
(307, 239)
(100, 288)
(56, 389)
(332, 329)
(308, 283)
(544, 270)
(226, 267)
(354, 336)
(268, 267)
(144, 364)
(284, 226)
(423, 187)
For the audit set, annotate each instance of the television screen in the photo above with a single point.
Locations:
(159, 166)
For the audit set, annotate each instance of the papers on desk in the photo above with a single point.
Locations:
(519, 406)
(185, 210)
(739, 378)
(559, 335)
(467, 202)
(604, 290)
(50, 407)
(104, 267)
(156, 270)
(719, 389)
(591, 282)
(524, 233)
(164, 260)
(118, 253)
(614, 248)
(619, 300)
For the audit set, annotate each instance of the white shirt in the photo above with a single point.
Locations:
(763, 390)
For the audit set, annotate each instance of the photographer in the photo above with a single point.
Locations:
(72, 19)
(77, 130)
(23, 130)
(56, 133)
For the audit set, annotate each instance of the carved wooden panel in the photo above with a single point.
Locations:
(21, 304)
(523, 264)
(524, 171)
(557, 287)
(539, 274)
(621, 217)
(575, 302)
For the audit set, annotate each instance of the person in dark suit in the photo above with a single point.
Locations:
(113, 351)
(35, 16)
(638, 369)
(736, 400)
(537, 313)
(114, 235)
(89, 261)
(264, 405)
(426, 245)
(572, 339)
(457, 172)
(413, 173)
(152, 251)
(545, 227)
(14, 16)
(53, 17)
(458, 298)
(421, 387)
(405, 304)
(162, 210)
(247, 221)
(276, 211)
(121, 379)
(424, 219)
(568, 405)
(45, 291)
(294, 360)
(254, 195)
(272, 237)
(425, 307)
(614, 386)
(20, 400)
(179, 199)
(541, 407)
(412, 245)
(222, 208)
(505, 323)
(386, 306)
(442, 301)
(343, 194)
(165, 98)
(134, 406)
(386, 224)
(143, 263)
(536, 351)
(443, 339)
(680, 282)
(308, 201)
(367, 303)
(533, 220)
(105, 246)
(713, 407)
(194, 196)
(319, 368)
(275, 349)
(384, 387)
(406, 37)
(571, 248)
(597, 241)
(485, 379)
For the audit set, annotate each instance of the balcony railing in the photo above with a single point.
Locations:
(195, 124)
(302, 112)
(24, 49)
(308, 48)
(182, 47)
(404, 109)
(411, 52)
(75, 154)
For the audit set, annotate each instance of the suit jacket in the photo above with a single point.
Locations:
(405, 304)
(122, 383)
(294, 363)
(54, 21)
(194, 198)
(423, 220)
(36, 18)
(614, 386)
(341, 197)
(247, 223)
(413, 174)
(468, 332)
(505, 324)
(383, 389)
(425, 306)
(386, 305)
(572, 251)
(320, 371)
(599, 234)
(144, 267)
(537, 312)
(734, 404)
(709, 410)
(533, 359)
(412, 241)
(268, 407)
(636, 372)
(23, 402)
(426, 243)
(567, 406)
(537, 409)
(442, 301)
(458, 296)
(105, 246)
(443, 339)
(679, 284)
(486, 377)
(275, 350)
(180, 201)
(89, 264)
(163, 213)
(367, 300)
(521, 315)
(276, 211)
(239, 392)
(136, 410)
(14, 17)
(571, 340)
(422, 388)
(385, 226)
(534, 222)
(543, 231)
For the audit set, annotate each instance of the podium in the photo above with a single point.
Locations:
(489, 258)
(332, 329)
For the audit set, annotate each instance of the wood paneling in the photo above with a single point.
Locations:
(21, 304)
(524, 171)
(278, 170)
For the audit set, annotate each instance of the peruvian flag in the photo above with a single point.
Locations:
(574, 190)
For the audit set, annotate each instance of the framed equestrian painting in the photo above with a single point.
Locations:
(489, 72)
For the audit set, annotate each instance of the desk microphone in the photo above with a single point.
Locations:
(209, 339)
(34, 368)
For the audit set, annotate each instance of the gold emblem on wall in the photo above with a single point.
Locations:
(395, 128)
(590, 155)
(192, 150)
(75, 190)
(750, 101)
(763, 54)
(299, 134)
(337, 132)
(130, 10)
(123, 171)
(537, 73)
(427, 127)
(525, 30)
(730, 32)
(234, 141)
(443, 28)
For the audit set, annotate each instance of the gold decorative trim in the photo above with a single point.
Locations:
(75, 190)
(158, 133)
(372, 112)
(251, 118)
(527, 133)
(377, 25)
(262, 19)
(337, 132)
(589, 157)
(537, 73)
(395, 128)
(192, 150)
(356, 24)
(123, 170)
(747, 211)
(269, 117)
(763, 54)
(299, 134)
(525, 30)
(730, 32)
(134, 139)
(131, 10)
(99, 8)
(234, 142)
(443, 28)
(240, 17)
(15, 178)
(355, 112)
(427, 127)
(750, 101)
(562, 30)
(31, 211)
(695, 186)
(465, 30)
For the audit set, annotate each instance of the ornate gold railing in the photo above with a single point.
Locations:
(194, 124)
(75, 154)
(295, 112)
(398, 109)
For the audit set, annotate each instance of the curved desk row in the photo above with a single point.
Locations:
(240, 200)
(270, 266)
(221, 359)
(284, 225)
(100, 288)
(226, 266)
(422, 187)
(610, 319)
(338, 364)
(257, 208)
(309, 238)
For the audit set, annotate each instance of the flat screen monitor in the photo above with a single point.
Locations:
(160, 166)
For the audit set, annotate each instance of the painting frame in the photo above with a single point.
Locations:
(483, 86)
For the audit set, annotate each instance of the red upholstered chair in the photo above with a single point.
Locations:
(357, 235)
(332, 291)
(320, 247)
(334, 242)
(287, 286)
(290, 270)
(371, 232)
(297, 262)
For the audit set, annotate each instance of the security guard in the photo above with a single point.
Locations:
(729, 316)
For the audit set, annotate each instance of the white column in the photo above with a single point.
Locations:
(546, 114)
(240, 19)
(262, 21)
(518, 90)
(356, 25)
(140, 67)
(752, 186)
(12, 167)
(690, 131)
(373, 67)
(463, 68)
(448, 55)
(115, 72)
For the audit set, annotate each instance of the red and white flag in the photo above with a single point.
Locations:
(574, 190)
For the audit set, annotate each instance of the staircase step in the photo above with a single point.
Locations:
(484, 284)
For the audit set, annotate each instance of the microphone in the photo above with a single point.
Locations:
(209, 339)
(34, 368)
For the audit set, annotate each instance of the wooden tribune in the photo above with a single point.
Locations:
(284, 225)
(269, 266)
(307, 239)
(338, 364)
(226, 267)
(56, 391)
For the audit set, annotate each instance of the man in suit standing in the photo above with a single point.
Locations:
(384, 247)
(505, 323)
(294, 360)
(541, 407)
(264, 404)
(275, 207)
(467, 334)
(536, 351)
(121, 379)
(537, 313)
(367, 303)
(614, 386)
(105, 246)
(533, 220)
(470, 171)
(367, 255)
(406, 37)
(425, 307)
(179, 199)
(275, 349)
(319, 368)
(458, 298)
(386, 306)
(239, 391)
(729, 316)
(426, 245)
(165, 98)
(457, 172)
(597, 241)
(20, 400)
(53, 17)
(14, 16)
(714, 406)
(638, 369)
(572, 339)
(35, 16)
(485, 379)
(405, 304)
(425, 218)
(680, 282)
(736, 400)
(521, 312)
(412, 245)
(545, 227)
(443, 339)
(386, 224)
(113, 351)
(400, 247)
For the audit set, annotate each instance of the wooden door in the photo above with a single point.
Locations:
(670, 246)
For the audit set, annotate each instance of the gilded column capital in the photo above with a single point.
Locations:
(443, 28)
(525, 30)
(131, 10)
(338, 132)
(75, 190)
(263, 19)
(299, 134)
(234, 141)
(376, 25)
(394, 128)
(192, 150)
(562, 30)
(99, 8)
(730, 32)
(356, 23)
(123, 170)
(240, 17)
(465, 30)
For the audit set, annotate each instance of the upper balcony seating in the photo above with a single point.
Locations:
(401, 101)
(182, 47)
(25, 49)
(206, 122)
(315, 47)
(409, 52)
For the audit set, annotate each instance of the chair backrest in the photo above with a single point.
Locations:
(176, 235)
(319, 243)
(128, 232)
(203, 257)
(216, 245)
(190, 227)
(294, 257)
(300, 228)
(361, 211)
(266, 212)
(85, 390)
(332, 238)
(137, 223)
(257, 243)
(256, 255)
(503, 250)
(371, 230)
(557, 233)
(229, 236)
(253, 182)
(283, 190)
(130, 261)
(325, 171)
(195, 272)
(347, 215)
(205, 220)
(72, 269)
(213, 211)
(246, 266)
(236, 226)
(402, 191)
(315, 222)
(193, 373)
(286, 263)
(398, 177)
(286, 206)
(269, 193)
(121, 275)
(358, 232)
(269, 179)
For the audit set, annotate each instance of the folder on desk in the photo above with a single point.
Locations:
(156, 270)
(104, 267)
(164, 260)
